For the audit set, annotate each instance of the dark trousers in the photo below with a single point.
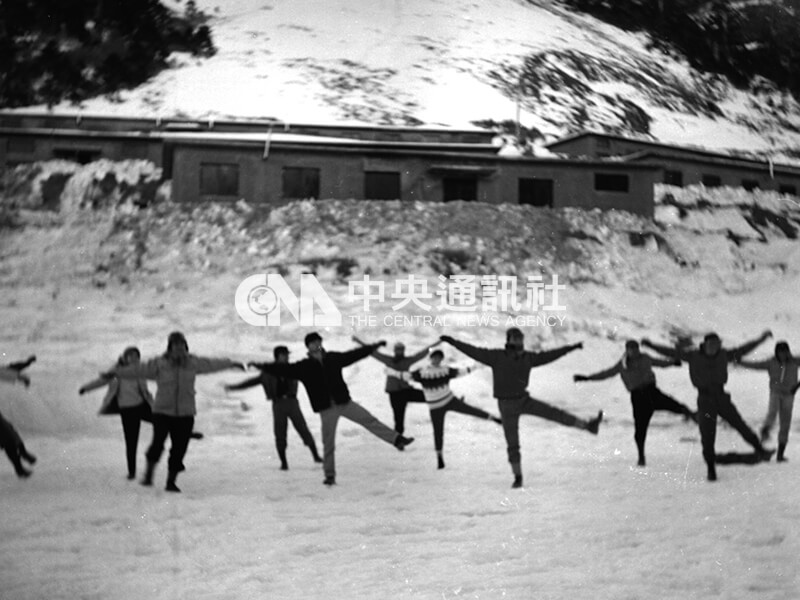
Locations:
(11, 441)
(399, 400)
(512, 408)
(455, 405)
(283, 411)
(179, 430)
(646, 401)
(710, 405)
(131, 424)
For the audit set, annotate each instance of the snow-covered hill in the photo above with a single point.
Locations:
(443, 62)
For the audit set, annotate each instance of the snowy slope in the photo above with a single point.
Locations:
(441, 62)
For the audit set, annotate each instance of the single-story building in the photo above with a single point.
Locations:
(683, 166)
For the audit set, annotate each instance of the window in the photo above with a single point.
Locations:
(711, 180)
(536, 192)
(79, 155)
(381, 185)
(219, 179)
(786, 188)
(21, 145)
(460, 188)
(300, 182)
(673, 178)
(611, 182)
(750, 184)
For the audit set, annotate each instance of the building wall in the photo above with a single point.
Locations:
(693, 173)
(15, 149)
(342, 176)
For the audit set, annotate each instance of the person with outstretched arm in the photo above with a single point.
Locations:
(10, 440)
(783, 384)
(708, 370)
(636, 371)
(282, 391)
(174, 406)
(321, 375)
(399, 390)
(511, 368)
(435, 380)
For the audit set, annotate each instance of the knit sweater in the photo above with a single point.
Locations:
(435, 382)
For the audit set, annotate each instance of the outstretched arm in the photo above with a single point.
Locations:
(212, 365)
(756, 365)
(247, 383)
(548, 356)
(665, 350)
(600, 375)
(101, 381)
(737, 354)
(352, 356)
(482, 355)
(657, 362)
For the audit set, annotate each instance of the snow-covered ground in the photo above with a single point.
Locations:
(442, 62)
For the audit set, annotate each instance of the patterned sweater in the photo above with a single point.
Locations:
(435, 382)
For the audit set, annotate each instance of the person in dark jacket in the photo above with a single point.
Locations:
(10, 440)
(282, 391)
(511, 367)
(321, 375)
(174, 405)
(131, 399)
(636, 370)
(708, 370)
(399, 390)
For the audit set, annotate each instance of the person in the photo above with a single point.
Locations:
(282, 391)
(511, 368)
(10, 440)
(174, 406)
(636, 371)
(129, 398)
(435, 380)
(782, 369)
(399, 390)
(321, 375)
(708, 370)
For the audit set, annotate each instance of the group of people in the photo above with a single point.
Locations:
(173, 408)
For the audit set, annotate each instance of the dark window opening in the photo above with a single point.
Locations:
(786, 188)
(673, 178)
(611, 182)
(750, 184)
(78, 155)
(460, 188)
(536, 192)
(711, 180)
(300, 183)
(219, 179)
(381, 185)
(21, 145)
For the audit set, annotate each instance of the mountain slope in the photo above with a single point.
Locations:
(447, 63)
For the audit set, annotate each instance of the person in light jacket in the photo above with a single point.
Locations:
(782, 369)
(128, 397)
(174, 406)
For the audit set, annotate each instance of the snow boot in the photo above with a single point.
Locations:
(314, 454)
(147, 480)
(439, 460)
(517, 482)
(593, 425)
(282, 456)
(171, 477)
(329, 480)
(401, 442)
(781, 450)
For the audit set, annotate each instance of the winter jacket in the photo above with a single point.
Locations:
(393, 383)
(323, 380)
(709, 373)
(175, 393)
(270, 383)
(782, 376)
(125, 393)
(510, 368)
(636, 373)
